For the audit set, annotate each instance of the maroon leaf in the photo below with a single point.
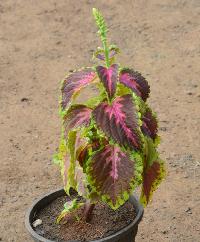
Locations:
(112, 172)
(153, 173)
(77, 115)
(136, 82)
(73, 84)
(109, 78)
(149, 124)
(82, 152)
(150, 176)
(119, 121)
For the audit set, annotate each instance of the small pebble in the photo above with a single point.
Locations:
(24, 99)
(163, 128)
(37, 222)
(188, 210)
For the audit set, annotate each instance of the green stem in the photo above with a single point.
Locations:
(106, 51)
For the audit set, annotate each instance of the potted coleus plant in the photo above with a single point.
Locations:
(108, 148)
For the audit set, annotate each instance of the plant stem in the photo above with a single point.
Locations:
(88, 208)
(106, 51)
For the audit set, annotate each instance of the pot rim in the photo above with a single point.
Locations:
(133, 199)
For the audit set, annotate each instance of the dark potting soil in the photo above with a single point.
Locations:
(104, 222)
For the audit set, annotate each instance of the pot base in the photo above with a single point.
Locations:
(127, 234)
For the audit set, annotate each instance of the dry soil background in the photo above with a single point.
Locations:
(40, 41)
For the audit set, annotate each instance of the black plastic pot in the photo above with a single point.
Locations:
(126, 234)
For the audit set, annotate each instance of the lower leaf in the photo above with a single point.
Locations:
(76, 178)
(153, 173)
(69, 207)
(71, 171)
(111, 173)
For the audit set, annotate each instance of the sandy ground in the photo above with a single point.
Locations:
(40, 41)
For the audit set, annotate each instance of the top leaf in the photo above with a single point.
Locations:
(74, 83)
(109, 78)
(135, 81)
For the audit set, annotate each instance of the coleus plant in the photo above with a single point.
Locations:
(108, 145)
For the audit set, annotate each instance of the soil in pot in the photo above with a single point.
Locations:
(104, 222)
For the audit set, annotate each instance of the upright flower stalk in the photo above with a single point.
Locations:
(103, 34)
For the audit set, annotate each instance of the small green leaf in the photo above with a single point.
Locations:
(71, 181)
(69, 207)
(59, 157)
(72, 172)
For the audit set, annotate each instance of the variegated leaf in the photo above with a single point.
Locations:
(149, 124)
(69, 165)
(63, 159)
(77, 116)
(82, 152)
(72, 172)
(153, 173)
(74, 83)
(108, 77)
(111, 172)
(119, 121)
(135, 81)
